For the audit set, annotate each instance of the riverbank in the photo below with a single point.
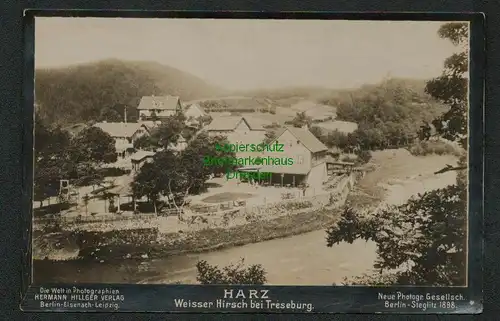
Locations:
(149, 243)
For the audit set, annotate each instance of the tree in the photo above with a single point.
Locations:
(50, 156)
(154, 116)
(301, 120)
(205, 119)
(86, 199)
(165, 134)
(204, 146)
(339, 140)
(388, 114)
(317, 132)
(422, 242)
(269, 136)
(231, 274)
(180, 174)
(109, 115)
(93, 145)
(85, 155)
(145, 142)
(451, 87)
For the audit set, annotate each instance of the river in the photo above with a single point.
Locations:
(302, 259)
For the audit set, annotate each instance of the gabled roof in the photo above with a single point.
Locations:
(257, 123)
(141, 154)
(224, 123)
(159, 102)
(195, 106)
(231, 122)
(306, 138)
(120, 129)
(151, 124)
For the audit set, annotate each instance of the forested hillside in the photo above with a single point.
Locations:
(389, 113)
(101, 90)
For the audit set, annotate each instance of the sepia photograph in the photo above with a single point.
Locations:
(250, 151)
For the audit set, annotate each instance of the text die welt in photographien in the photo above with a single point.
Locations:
(175, 176)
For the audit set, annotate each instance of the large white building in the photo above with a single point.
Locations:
(124, 134)
(158, 106)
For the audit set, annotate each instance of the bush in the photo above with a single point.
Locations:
(231, 274)
(436, 147)
(364, 156)
(113, 172)
(112, 208)
(51, 209)
(349, 159)
(116, 237)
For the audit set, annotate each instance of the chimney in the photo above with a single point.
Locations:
(125, 115)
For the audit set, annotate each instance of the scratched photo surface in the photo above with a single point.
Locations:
(277, 152)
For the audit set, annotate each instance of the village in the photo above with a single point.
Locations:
(316, 177)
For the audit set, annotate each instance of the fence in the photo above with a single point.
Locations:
(99, 218)
(338, 195)
(170, 212)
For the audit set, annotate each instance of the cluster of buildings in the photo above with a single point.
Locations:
(312, 159)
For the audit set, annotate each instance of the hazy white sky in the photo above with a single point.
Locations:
(247, 54)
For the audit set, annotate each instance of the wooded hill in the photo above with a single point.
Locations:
(101, 90)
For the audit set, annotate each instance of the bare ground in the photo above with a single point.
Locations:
(396, 175)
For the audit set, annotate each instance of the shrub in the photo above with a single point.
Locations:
(364, 156)
(112, 208)
(435, 147)
(113, 172)
(231, 274)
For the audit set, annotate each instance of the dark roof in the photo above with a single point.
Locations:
(120, 129)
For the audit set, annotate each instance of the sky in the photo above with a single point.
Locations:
(252, 54)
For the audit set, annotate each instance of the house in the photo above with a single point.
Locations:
(124, 134)
(344, 127)
(151, 107)
(227, 125)
(237, 130)
(307, 154)
(194, 111)
(140, 158)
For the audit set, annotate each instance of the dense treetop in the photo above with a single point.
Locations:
(393, 108)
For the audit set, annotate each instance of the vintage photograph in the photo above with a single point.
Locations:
(250, 151)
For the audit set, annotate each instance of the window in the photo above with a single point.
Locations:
(300, 159)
